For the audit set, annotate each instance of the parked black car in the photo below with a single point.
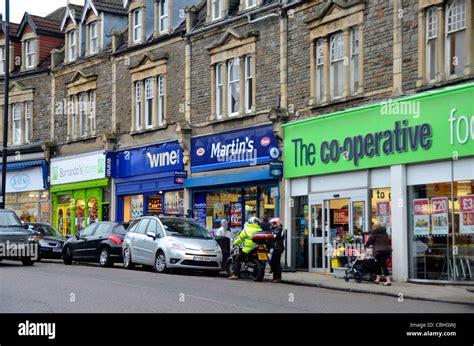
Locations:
(99, 242)
(51, 240)
(16, 241)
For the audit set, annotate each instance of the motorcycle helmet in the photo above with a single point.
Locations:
(275, 222)
(253, 220)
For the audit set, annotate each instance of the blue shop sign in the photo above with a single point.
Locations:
(238, 148)
(147, 160)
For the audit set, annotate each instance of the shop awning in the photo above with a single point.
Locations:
(22, 165)
(227, 179)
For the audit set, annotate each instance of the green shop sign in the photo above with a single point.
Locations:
(428, 126)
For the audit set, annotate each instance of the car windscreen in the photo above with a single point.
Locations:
(9, 219)
(119, 229)
(183, 228)
(48, 231)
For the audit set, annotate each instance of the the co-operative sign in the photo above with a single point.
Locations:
(371, 136)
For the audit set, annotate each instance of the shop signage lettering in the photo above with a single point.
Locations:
(153, 159)
(400, 139)
(20, 181)
(341, 217)
(78, 168)
(232, 149)
(434, 125)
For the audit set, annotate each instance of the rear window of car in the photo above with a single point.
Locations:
(103, 228)
(119, 229)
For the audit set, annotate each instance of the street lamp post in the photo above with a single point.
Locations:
(5, 103)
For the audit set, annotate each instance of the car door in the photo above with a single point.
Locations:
(138, 242)
(150, 244)
(78, 245)
(93, 242)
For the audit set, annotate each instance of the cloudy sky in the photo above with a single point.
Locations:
(37, 7)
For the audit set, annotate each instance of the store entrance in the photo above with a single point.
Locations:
(335, 219)
(63, 219)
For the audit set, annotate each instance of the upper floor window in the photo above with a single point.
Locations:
(94, 38)
(217, 9)
(337, 65)
(319, 69)
(149, 110)
(233, 87)
(248, 84)
(28, 122)
(456, 37)
(250, 3)
(30, 53)
(82, 114)
(355, 78)
(2, 60)
(219, 90)
(72, 45)
(164, 21)
(431, 43)
(16, 117)
(137, 25)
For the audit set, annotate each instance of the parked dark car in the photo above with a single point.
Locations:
(16, 241)
(51, 241)
(99, 242)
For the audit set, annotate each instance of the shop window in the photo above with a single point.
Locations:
(174, 202)
(80, 215)
(268, 200)
(441, 230)
(300, 224)
(93, 211)
(133, 207)
(29, 206)
(381, 208)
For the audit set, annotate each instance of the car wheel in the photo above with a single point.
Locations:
(160, 263)
(104, 258)
(127, 259)
(67, 256)
(27, 261)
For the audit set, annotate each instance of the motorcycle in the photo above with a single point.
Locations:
(253, 266)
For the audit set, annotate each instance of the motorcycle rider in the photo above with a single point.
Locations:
(245, 236)
(278, 248)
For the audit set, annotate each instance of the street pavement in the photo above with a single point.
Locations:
(52, 287)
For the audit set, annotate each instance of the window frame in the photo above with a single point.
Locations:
(451, 34)
(431, 39)
(30, 55)
(230, 82)
(354, 53)
(247, 6)
(219, 90)
(2, 60)
(161, 99)
(28, 125)
(138, 105)
(220, 3)
(72, 49)
(336, 60)
(91, 116)
(248, 85)
(16, 123)
(319, 62)
(93, 39)
(82, 99)
(162, 17)
(73, 115)
(137, 27)
(149, 100)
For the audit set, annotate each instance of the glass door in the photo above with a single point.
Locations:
(318, 226)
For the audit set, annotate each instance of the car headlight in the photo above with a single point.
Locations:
(32, 238)
(178, 246)
(218, 249)
(43, 243)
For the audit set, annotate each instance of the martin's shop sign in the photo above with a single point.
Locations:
(239, 148)
(429, 126)
(147, 160)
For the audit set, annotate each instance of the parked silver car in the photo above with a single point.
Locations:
(171, 242)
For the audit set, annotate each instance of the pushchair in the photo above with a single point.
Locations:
(362, 267)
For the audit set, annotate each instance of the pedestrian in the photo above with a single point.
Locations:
(278, 248)
(221, 231)
(265, 225)
(381, 248)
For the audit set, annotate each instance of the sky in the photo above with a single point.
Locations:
(37, 7)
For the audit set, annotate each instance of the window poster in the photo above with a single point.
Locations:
(421, 216)
(383, 214)
(136, 209)
(466, 214)
(235, 214)
(439, 215)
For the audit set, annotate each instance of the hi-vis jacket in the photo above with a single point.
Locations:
(246, 237)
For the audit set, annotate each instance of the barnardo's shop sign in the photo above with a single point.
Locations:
(78, 168)
(429, 126)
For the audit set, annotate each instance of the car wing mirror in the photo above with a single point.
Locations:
(151, 234)
(78, 235)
